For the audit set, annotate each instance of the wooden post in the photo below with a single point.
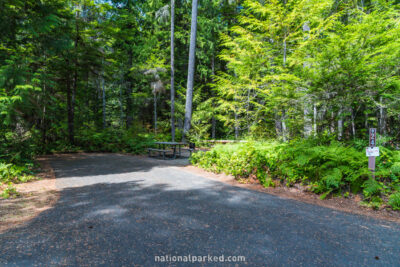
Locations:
(372, 144)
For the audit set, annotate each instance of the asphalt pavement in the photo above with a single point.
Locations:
(121, 210)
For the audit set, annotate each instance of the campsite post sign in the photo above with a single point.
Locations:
(372, 151)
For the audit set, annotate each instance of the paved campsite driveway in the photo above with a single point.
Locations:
(118, 210)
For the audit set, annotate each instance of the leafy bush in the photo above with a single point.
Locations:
(14, 173)
(325, 167)
(394, 201)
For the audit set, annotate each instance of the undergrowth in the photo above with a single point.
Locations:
(329, 168)
(17, 152)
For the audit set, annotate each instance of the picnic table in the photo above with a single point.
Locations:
(162, 148)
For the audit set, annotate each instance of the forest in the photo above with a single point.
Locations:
(301, 80)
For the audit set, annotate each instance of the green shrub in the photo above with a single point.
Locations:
(394, 201)
(325, 166)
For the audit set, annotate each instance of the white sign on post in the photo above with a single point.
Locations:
(373, 151)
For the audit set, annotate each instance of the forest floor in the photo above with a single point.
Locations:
(35, 197)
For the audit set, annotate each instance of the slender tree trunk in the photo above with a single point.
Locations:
(71, 92)
(340, 124)
(129, 106)
(172, 71)
(155, 113)
(121, 106)
(278, 125)
(213, 126)
(129, 89)
(332, 127)
(236, 126)
(104, 102)
(284, 127)
(307, 119)
(213, 121)
(382, 119)
(190, 81)
(70, 110)
(44, 123)
(353, 124)
(315, 119)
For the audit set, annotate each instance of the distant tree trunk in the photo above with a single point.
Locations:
(307, 119)
(104, 102)
(353, 124)
(129, 106)
(213, 121)
(332, 126)
(44, 124)
(172, 71)
(70, 110)
(278, 125)
(155, 113)
(284, 127)
(190, 81)
(213, 125)
(382, 119)
(315, 119)
(340, 124)
(236, 126)
(121, 105)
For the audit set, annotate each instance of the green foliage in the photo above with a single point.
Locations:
(394, 201)
(9, 191)
(10, 173)
(111, 140)
(324, 167)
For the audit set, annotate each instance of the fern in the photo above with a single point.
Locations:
(394, 201)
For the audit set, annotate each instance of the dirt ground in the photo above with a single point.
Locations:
(350, 205)
(35, 197)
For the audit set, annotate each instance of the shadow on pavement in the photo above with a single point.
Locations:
(129, 223)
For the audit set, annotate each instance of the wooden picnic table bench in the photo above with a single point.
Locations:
(160, 151)
(162, 145)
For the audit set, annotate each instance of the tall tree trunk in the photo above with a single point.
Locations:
(71, 92)
(129, 89)
(190, 81)
(172, 71)
(284, 128)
